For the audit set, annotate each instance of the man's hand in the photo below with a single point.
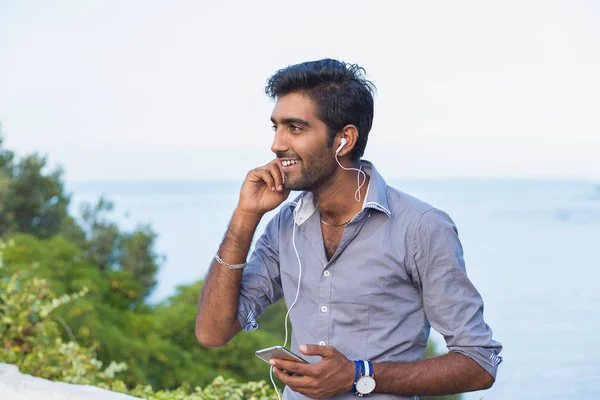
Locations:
(334, 374)
(263, 189)
(216, 321)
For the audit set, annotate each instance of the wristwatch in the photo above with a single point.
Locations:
(365, 383)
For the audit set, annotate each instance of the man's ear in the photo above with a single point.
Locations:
(350, 133)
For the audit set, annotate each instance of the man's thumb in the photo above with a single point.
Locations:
(315, 350)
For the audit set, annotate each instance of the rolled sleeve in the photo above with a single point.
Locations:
(261, 282)
(452, 304)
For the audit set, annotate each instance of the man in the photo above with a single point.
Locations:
(367, 268)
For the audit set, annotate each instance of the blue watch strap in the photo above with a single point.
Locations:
(356, 374)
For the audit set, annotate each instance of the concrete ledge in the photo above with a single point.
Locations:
(17, 386)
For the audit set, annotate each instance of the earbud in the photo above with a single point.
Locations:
(342, 144)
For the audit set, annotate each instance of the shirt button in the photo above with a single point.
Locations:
(326, 273)
(321, 343)
(324, 308)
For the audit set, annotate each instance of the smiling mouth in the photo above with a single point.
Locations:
(287, 163)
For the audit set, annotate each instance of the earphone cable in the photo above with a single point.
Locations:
(358, 182)
(295, 299)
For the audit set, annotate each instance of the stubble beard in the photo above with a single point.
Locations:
(315, 171)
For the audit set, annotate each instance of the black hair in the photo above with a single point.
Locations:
(340, 91)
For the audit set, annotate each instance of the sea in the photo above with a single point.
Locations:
(531, 248)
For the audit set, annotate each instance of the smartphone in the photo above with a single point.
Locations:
(279, 352)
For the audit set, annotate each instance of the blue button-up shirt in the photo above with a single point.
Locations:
(398, 270)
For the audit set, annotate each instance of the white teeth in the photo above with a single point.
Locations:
(288, 163)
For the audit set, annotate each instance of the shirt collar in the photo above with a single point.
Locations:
(305, 204)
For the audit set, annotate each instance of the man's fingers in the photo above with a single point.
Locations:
(295, 382)
(275, 171)
(283, 377)
(267, 177)
(280, 167)
(293, 367)
(289, 380)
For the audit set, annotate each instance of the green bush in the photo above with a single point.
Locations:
(156, 342)
(30, 329)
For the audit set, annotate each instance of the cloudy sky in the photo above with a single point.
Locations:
(121, 90)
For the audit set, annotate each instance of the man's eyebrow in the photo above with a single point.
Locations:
(288, 121)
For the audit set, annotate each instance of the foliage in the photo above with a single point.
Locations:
(219, 388)
(31, 340)
(158, 344)
(31, 336)
(111, 249)
(33, 200)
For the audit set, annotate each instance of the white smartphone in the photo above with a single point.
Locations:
(279, 352)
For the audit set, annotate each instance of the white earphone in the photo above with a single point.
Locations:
(342, 144)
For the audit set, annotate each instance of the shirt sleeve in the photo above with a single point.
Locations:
(261, 282)
(452, 304)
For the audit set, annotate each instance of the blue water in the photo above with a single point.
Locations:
(531, 249)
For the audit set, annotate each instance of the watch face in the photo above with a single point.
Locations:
(365, 385)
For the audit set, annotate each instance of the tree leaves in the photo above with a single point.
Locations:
(33, 200)
(31, 336)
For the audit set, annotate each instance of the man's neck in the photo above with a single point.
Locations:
(337, 199)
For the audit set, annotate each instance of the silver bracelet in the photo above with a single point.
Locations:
(235, 266)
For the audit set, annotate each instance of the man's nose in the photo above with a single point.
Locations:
(280, 143)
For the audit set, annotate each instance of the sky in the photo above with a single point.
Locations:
(174, 90)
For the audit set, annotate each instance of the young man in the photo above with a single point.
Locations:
(367, 268)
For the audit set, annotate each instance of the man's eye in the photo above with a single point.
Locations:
(274, 127)
(295, 128)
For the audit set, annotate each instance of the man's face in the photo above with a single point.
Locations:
(301, 143)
